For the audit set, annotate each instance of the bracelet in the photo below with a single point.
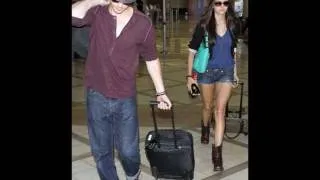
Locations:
(161, 93)
(187, 76)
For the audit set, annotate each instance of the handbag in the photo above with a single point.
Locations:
(202, 56)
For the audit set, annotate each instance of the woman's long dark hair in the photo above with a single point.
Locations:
(208, 20)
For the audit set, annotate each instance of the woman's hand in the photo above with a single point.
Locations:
(191, 81)
(236, 81)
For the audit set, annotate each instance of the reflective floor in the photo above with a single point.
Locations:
(187, 112)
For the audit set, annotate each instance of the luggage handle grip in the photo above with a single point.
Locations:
(152, 104)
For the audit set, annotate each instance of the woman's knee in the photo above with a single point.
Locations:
(207, 107)
(220, 109)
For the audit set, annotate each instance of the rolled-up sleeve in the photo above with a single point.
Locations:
(87, 19)
(148, 49)
(196, 38)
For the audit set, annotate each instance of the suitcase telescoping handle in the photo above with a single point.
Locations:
(240, 107)
(152, 104)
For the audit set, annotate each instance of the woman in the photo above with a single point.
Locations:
(220, 77)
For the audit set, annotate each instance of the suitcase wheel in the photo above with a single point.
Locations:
(189, 177)
(154, 172)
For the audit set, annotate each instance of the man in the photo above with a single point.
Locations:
(118, 35)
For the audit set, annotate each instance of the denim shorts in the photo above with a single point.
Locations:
(214, 75)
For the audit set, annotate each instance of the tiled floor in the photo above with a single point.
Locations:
(187, 114)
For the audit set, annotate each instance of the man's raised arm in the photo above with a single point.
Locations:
(81, 14)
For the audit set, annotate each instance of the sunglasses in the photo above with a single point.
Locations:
(117, 1)
(219, 3)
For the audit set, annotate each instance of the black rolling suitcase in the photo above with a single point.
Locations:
(169, 151)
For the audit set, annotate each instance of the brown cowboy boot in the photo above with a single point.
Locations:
(205, 133)
(217, 158)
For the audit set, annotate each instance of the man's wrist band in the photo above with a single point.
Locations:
(160, 93)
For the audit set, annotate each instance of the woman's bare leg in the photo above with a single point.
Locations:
(207, 97)
(222, 95)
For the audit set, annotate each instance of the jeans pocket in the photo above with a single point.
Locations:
(228, 72)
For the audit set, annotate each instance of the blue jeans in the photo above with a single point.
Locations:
(113, 122)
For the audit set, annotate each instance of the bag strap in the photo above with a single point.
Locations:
(206, 39)
(241, 96)
(240, 106)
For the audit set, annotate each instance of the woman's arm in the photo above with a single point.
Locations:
(194, 44)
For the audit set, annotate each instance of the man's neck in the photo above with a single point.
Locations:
(127, 12)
